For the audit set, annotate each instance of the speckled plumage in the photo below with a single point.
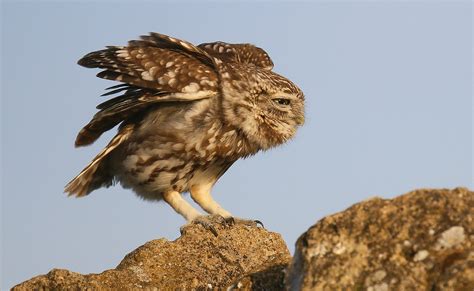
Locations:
(186, 114)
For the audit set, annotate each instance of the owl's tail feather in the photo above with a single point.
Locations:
(95, 175)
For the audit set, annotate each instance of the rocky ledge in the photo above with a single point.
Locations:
(423, 240)
(196, 260)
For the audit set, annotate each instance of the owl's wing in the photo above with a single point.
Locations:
(157, 68)
(238, 53)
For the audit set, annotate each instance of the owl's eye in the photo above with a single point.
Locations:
(282, 101)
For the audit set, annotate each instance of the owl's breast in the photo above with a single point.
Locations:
(174, 148)
(168, 166)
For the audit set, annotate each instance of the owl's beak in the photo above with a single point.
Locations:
(300, 120)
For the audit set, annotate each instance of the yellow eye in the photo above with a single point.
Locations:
(282, 101)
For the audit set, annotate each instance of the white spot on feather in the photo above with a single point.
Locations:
(161, 81)
(173, 82)
(147, 76)
(149, 65)
(171, 74)
(191, 88)
(207, 82)
(153, 70)
(122, 53)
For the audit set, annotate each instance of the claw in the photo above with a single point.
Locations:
(208, 223)
(211, 229)
(229, 221)
(259, 222)
(248, 222)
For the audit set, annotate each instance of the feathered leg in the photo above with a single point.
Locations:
(201, 194)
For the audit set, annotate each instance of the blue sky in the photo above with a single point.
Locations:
(389, 109)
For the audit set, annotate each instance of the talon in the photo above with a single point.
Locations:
(212, 229)
(220, 218)
(248, 222)
(259, 222)
(207, 223)
(229, 221)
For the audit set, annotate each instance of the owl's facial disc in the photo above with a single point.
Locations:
(267, 107)
(278, 115)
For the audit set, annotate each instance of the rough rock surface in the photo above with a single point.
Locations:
(423, 240)
(242, 256)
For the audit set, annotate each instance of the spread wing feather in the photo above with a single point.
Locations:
(167, 42)
(157, 68)
(244, 53)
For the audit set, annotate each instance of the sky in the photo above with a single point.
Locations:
(389, 109)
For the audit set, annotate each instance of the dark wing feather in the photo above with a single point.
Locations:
(243, 53)
(167, 42)
(111, 113)
(115, 91)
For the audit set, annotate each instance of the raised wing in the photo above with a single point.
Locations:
(157, 68)
(238, 53)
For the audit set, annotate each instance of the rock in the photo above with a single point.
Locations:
(423, 240)
(240, 256)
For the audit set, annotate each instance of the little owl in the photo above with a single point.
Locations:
(186, 114)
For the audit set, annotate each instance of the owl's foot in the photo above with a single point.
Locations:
(210, 222)
(249, 222)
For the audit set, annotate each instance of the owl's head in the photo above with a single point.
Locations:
(266, 107)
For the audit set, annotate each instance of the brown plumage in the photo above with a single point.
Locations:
(186, 114)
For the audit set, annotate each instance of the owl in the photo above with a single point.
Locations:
(186, 113)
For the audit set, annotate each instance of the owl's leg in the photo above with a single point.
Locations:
(201, 194)
(175, 200)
